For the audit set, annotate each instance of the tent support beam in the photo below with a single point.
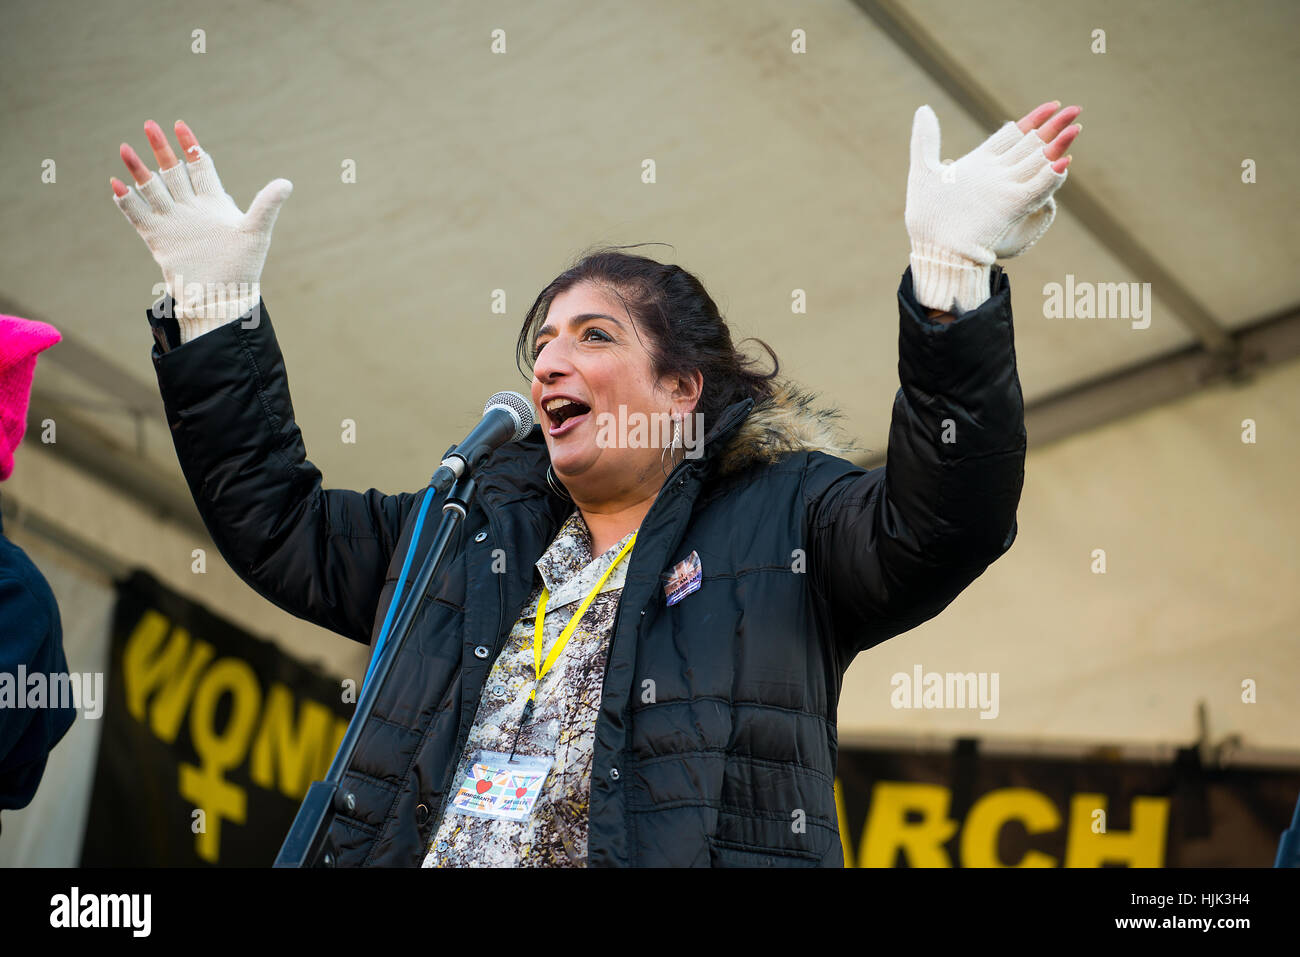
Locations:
(910, 36)
(1270, 342)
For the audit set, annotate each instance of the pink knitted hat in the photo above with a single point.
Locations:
(20, 341)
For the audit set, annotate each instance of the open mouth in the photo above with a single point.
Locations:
(565, 415)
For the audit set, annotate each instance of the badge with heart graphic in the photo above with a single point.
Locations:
(502, 786)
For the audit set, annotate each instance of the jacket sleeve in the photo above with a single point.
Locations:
(320, 554)
(891, 547)
(31, 636)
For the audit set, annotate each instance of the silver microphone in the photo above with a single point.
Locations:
(507, 417)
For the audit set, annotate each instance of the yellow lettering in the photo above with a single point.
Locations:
(887, 829)
(171, 670)
(298, 756)
(1142, 846)
(988, 815)
(218, 752)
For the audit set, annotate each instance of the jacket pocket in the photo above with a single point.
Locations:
(732, 854)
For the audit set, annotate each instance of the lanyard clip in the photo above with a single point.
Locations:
(523, 720)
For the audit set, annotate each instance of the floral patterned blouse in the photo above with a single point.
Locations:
(563, 723)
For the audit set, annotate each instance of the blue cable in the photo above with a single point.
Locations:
(401, 580)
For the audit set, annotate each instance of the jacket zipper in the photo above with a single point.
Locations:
(669, 484)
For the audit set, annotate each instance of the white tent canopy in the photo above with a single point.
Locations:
(482, 174)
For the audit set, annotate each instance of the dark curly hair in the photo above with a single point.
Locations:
(671, 306)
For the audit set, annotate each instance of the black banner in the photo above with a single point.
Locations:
(960, 808)
(211, 738)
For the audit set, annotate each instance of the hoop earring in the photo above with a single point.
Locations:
(555, 485)
(677, 437)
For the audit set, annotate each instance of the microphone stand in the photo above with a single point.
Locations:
(308, 843)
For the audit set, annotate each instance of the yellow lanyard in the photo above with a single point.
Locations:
(539, 667)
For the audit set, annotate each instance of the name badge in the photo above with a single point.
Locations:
(497, 786)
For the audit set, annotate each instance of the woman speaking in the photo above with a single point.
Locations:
(634, 653)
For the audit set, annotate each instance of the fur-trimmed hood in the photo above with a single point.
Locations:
(781, 425)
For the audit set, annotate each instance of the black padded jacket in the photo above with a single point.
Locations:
(716, 740)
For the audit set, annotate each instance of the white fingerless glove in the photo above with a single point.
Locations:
(993, 203)
(211, 254)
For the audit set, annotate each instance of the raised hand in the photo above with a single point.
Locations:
(1054, 129)
(211, 253)
(993, 203)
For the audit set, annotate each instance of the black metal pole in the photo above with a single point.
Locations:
(308, 843)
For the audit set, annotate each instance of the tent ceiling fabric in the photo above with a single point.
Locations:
(478, 172)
